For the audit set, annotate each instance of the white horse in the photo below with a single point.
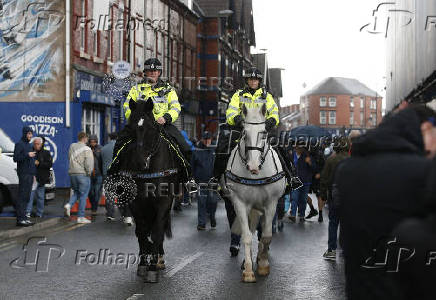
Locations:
(254, 181)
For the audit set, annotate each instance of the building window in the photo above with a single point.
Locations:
(109, 45)
(361, 118)
(95, 44)
(120, 37)
(373, 104)
(323, 101)
(91, 121)
(362, 102)
(351, 102)
(322, 117)
(351, 118)
(82, 26)
(332, 101)
(374, 119)
(332, 117)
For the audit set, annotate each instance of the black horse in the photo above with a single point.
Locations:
(150, 159)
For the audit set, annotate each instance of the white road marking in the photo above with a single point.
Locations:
(134, 296)
(185, 261)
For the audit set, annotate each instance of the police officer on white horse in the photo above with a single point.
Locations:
(254, 94)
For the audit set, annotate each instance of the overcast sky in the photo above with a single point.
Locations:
(315, 39)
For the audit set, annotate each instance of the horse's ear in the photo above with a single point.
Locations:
(244, 110)
(132, 105)
(148, 105)
(263, 109)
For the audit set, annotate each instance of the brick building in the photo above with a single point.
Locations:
(338, 102)
(225, 34)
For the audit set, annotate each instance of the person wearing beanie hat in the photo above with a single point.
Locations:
(24, 156)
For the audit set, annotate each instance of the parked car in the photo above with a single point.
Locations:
(8, 181)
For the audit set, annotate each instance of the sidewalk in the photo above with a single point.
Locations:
(53, 214)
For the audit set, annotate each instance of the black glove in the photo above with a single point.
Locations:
(269, 124)
(167, 118)
(238, 121)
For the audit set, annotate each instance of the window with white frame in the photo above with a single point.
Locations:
(351, 118)
(323, 101)
(95, 44)
(120, 36)
(373, 104)
(361, 118)
(362, 102)
(82, 25)
(351, 102)
(332, 101)
(332, 117)
(323, 117)
(91, 121)
(374, 119)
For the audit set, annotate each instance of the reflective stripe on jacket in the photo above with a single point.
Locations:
(163, 96)
(251, 101)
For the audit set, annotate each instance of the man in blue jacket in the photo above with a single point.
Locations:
(24, 156)
(305, 166)
(202, 166)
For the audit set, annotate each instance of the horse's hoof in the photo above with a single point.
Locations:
(142, 270)
(262, 271)
(160, 263)
(248, 277)
(151, 277)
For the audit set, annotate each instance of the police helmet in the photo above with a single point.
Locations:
(253, 73)
(152, 64)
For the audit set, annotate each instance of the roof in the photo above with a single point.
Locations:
(340, 86)
(276, 82)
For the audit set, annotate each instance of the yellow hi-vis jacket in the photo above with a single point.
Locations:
(256, 100)
(164, 98)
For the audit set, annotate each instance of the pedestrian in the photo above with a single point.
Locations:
(378, 187)
(43, 163)
(341, 148)
(24, 156)
(106, 156)
(81, 165)
(202, 166)
(318, 155)
(305, 167)
(417, 268)
(97, 174)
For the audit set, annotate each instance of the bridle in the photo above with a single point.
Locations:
(156, 144)
(263, 154)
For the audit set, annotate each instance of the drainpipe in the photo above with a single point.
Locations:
(67, 61)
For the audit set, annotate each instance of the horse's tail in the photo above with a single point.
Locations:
(253, 219)
(168, 231)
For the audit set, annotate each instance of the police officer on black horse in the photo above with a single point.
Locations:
(166, 110)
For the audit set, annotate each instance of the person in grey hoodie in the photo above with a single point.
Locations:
(81, 165)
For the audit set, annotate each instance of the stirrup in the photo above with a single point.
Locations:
(192, 186)
(295, 183)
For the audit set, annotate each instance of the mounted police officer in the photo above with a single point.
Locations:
(166, 110)
(253, 95)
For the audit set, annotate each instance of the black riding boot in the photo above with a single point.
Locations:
(291, 175)
(124, 136)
